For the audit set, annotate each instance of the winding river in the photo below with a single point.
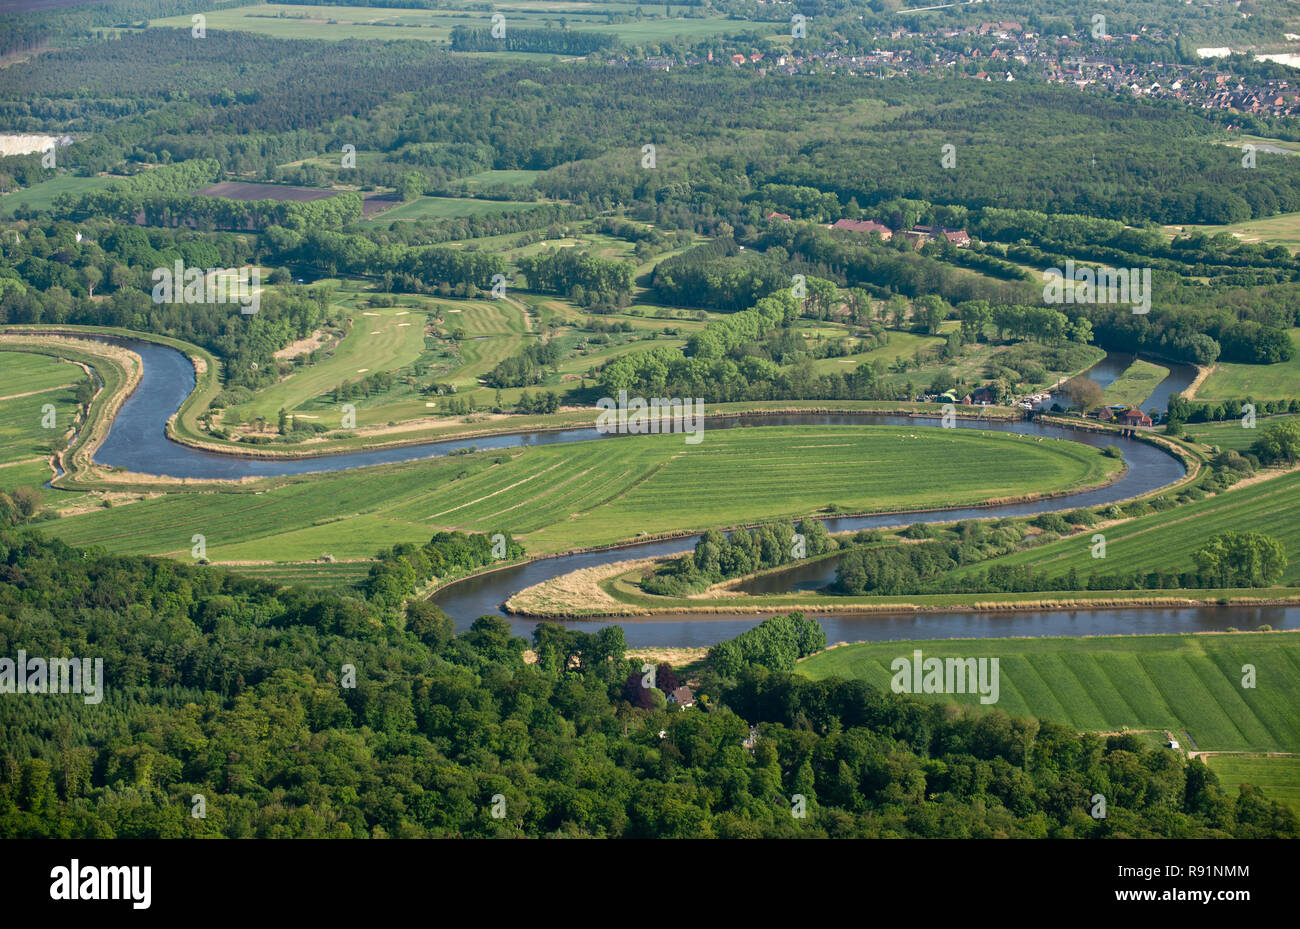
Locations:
(137, 441)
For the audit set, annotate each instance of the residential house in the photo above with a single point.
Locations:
(682, 696)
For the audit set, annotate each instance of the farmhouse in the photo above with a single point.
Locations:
(864, 225)
(1134, 417)
(983, 395)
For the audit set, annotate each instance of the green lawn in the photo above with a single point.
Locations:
(381, 339)
(1188, 684)
(599, 492)
(1279, 778)
(1135, 385)
(1259, 382)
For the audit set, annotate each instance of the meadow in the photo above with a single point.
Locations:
(28, 383)
(1190, 685)
(1135, 385)
(1278, 777)
(1165, 541)
(1259, 382)
(1231, 433)
(560, 497)
(41, 196)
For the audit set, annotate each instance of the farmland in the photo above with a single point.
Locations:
(1278, 777)
(41, 196)
(1165, 541)
(557, 498)
(1189, 684)
(29, 386)
(238, 190)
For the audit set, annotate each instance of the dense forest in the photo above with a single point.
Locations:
(293, 713)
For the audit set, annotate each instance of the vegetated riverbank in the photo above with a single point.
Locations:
(182, 426)
(118, 371)
(608, 592)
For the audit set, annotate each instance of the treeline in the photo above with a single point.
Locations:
(552, 41)
(718, 556)
(775, 644)
(412, 269)
(1182, 410)
(526, 368)
(727, 361)
(401, 569)
(719, 276)
(374, 723)
(591, 282)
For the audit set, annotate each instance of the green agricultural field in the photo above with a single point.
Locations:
(322, 575)
(381, 339)
(1259, 382)
(41, 196)
(561, 497)
(1187, 684)
(28, 384)
(1278, 777)
(1231, 433)
(446, 208)
(1165, 541)
(1135, 385)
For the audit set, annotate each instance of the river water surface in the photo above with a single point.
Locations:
(137, 441)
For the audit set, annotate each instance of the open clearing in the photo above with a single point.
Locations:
(383, 339)
(1258, 382)
(41, 196)
(1189, 684)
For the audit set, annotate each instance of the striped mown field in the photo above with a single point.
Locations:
(1278, 777)
(1165, 541)
(580, 494)
(1188, 684)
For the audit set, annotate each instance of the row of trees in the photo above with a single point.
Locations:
(718, 556)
